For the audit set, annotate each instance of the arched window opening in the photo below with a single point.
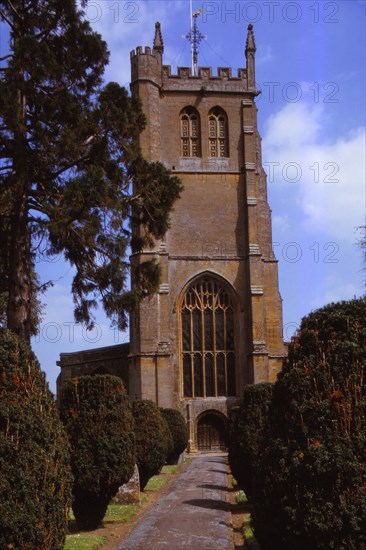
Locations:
(218, 133)
(208, 340)
(190, 133)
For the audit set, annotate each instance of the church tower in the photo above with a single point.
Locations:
(215, 324)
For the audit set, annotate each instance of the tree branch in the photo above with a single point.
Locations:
(70, 165)
(6, 57)
(2, 14)
(14, 10)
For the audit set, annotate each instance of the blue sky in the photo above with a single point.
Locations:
(311, 69)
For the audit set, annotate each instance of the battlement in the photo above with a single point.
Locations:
(147, 65)
(205, 73)
(205, 81)
(142, 51)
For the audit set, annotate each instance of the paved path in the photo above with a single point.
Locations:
(193, 513)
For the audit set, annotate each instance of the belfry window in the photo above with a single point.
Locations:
(190, 133)
(218, 133)
(208, 340)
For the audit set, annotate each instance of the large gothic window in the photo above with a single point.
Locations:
(190, 133)
(208, 340)
(218, 133)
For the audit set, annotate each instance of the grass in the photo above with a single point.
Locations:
(116, 513)
(248, 534)
(84, 542)
(157, 482)
(241, 497)
(123, 513)
(247, 530)
(173, 469)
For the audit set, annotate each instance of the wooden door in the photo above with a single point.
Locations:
(211, 434)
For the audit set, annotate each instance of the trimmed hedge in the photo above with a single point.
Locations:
(311, 491)
(246, 434)
(178, 430)
(153, 439)
(35, 480)
(99, 422)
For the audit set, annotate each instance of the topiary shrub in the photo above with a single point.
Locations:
(153, 440)
(99, 423)
(246, 434)
(311, 492)
(178, 430)
(35, 480)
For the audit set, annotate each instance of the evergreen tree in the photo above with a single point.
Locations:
(72, 178)
(99, 422)
(154, 442)
(246, 434)
(35, 481)
(179, 432)
(310, 483)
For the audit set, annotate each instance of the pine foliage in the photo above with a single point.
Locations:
(72, 179)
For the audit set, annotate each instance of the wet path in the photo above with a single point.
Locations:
(193, 513)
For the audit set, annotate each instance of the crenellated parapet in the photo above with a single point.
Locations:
(205, 81)
(146, 65)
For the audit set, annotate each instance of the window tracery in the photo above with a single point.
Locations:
(218, 133)
(208, 340)
(190, 133)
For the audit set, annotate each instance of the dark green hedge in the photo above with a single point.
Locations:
(153, 440)
(35, 476)
(99, 422)
(246, 434)
(178, 430)
(311, 491)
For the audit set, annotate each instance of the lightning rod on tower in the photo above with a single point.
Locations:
(194, 37)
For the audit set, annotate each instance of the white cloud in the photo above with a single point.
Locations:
(336, 289)
(126, 25)
(325, 178)
(281, 223)
(294, 126)
(264, 54)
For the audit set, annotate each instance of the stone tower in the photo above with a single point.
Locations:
(215, 324)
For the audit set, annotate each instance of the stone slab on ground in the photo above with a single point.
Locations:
(194, 513)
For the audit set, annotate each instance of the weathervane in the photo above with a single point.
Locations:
(195, 37)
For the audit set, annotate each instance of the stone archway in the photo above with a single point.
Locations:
(211, 432)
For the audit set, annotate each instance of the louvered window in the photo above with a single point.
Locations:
(218, 133)
(190, 133)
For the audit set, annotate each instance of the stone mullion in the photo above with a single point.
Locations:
(203, 349)
(192, 351)
(225, 350)
(190, 137)
(214, 345)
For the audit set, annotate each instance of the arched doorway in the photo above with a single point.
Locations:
(211, 430)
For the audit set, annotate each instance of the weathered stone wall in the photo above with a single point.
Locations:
(108, 360)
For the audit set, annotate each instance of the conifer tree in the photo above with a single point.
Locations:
(72, 179)
(35, 480)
